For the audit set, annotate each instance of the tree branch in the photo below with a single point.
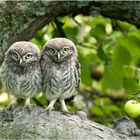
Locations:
(20, 20)
(35, 123)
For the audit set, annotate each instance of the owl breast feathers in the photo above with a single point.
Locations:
(60, 69)
(20, 70)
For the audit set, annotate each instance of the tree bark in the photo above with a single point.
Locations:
(20, 20)
(36, 123)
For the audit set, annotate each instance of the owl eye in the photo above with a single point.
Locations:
(66, 50)
(29, 56)
(52, 51)
(15, 55)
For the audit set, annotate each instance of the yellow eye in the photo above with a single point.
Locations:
(15, 55)
(66, 50)
(52, 51)
(29, 56)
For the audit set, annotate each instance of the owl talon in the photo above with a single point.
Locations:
(49, 109)
(50, 106)
(11, 106)
(64, 107)
(28, 108)
(67, 113)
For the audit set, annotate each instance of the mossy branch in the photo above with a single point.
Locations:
(20, 20)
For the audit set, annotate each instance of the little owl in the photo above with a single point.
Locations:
(60, 70)
(20, 71)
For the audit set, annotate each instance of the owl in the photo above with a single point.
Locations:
(60, 70)
(20, 71)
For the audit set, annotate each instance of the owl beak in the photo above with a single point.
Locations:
(58, 55)
(20, 61)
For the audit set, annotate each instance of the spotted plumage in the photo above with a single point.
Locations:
(20, 71)
(61, 71)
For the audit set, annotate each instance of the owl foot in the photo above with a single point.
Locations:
(27, 108)
(46, 109)
(64, 108)
(50, 106)
(13, 104)
(49, 109)
(67, 113)
(28, 105)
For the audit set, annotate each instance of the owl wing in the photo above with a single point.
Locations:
(77, 74)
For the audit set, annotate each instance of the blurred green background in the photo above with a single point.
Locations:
(109, 54)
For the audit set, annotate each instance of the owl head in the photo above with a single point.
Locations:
(22, 54)
(60, 49)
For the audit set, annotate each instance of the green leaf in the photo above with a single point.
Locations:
(97, 110)
(131, 86)
(132, 44)
(111, 80)
(129, 71)
(125, 27)
(121, 57)
(86, 58)
(98, 31)
(71, 33)
(111, 108)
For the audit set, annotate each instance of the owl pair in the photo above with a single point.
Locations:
(55, 71)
